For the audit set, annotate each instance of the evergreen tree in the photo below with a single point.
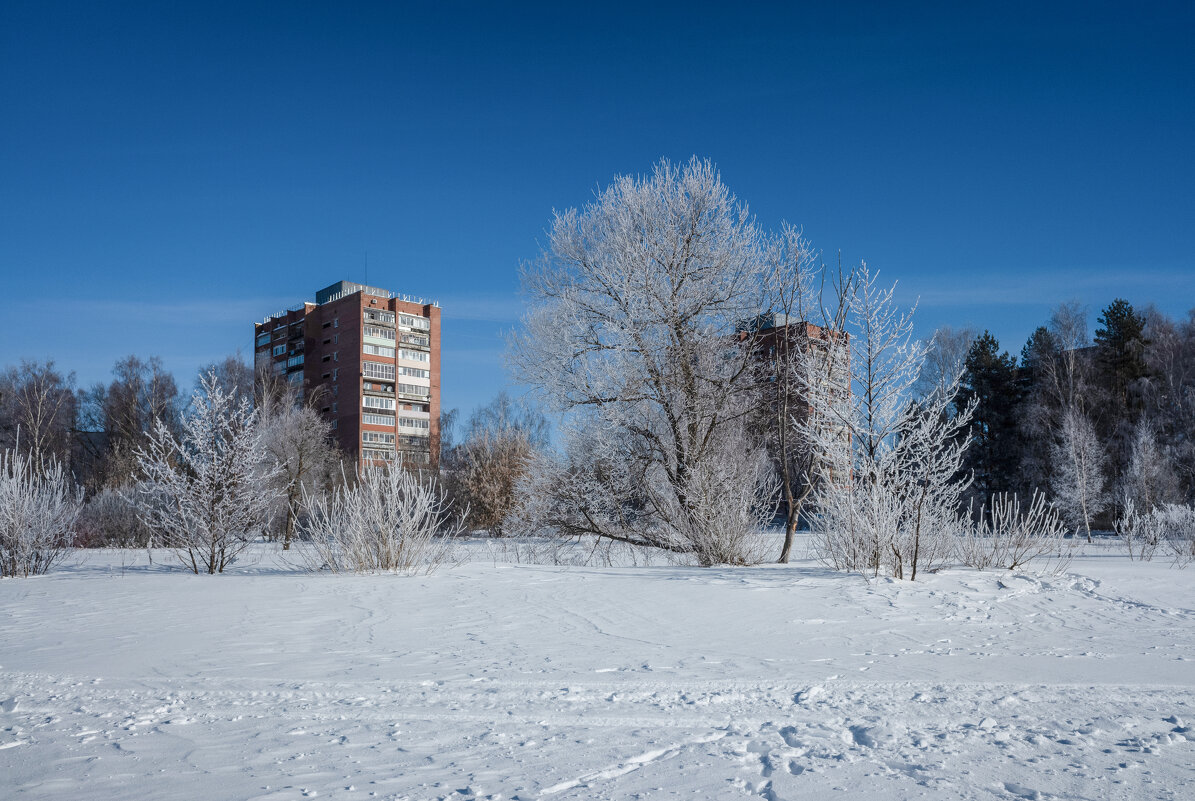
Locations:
(1120, 358)
(991, 380)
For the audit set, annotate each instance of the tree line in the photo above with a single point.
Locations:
(709, 378)
(1105, 423)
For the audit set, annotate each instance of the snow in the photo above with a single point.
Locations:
(125, 680)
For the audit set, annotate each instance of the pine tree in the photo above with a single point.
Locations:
(990, 380)
(1120, 357)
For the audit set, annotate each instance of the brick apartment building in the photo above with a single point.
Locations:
(376, 357)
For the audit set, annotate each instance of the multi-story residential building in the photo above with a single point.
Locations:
(375, 356)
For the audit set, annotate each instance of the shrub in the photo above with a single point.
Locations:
(39, 504)
(1004, 536)
(388, 521)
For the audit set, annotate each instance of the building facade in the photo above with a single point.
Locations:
(372, 359)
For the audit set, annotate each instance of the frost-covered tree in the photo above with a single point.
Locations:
(1079, 479)
(632, 325)
(789, 349)
(1149, 478)
(39, 504)
(208, 494)
(890, 490)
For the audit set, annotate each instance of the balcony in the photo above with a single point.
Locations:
(379, 318)
(375, 388)
(416, 341)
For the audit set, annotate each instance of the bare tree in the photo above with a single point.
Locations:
(1068, 371)
(298, 441)
(1079, 479)
(233, 373)
(481, 474)
(39, 504)
(945, 355)
(209, 493)
(37, 410)
(388, 521)
(110, 519)
(633, 325)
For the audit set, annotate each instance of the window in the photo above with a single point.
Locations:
(377, 436)
(336, 323)
(377, 455)
(326, 325)
(294, 361)
(327, 341)
(415, 322)
(417, 372)
(380, 333)
(377, 370)
(336, 339)
(413, 355)
(378, 419)
(413, 389)
(296, 377)
(371, 402)
(379, 350)
(413, 422)
(279, 349)
(335, 373)
(333, 407)
(263, 339)
(335, 389)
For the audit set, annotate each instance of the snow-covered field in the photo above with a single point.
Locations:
(131, 681)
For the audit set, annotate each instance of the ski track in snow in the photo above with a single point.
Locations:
(574, 683)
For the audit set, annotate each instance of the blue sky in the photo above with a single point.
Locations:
(170, 173)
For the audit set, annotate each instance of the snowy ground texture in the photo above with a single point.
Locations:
(529, 682)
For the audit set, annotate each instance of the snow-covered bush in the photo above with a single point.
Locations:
(1004, 536)
(387, 521)
(1139, 532)
(1170, 525)
(39, 504)
(110, 520)
(210, 494)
